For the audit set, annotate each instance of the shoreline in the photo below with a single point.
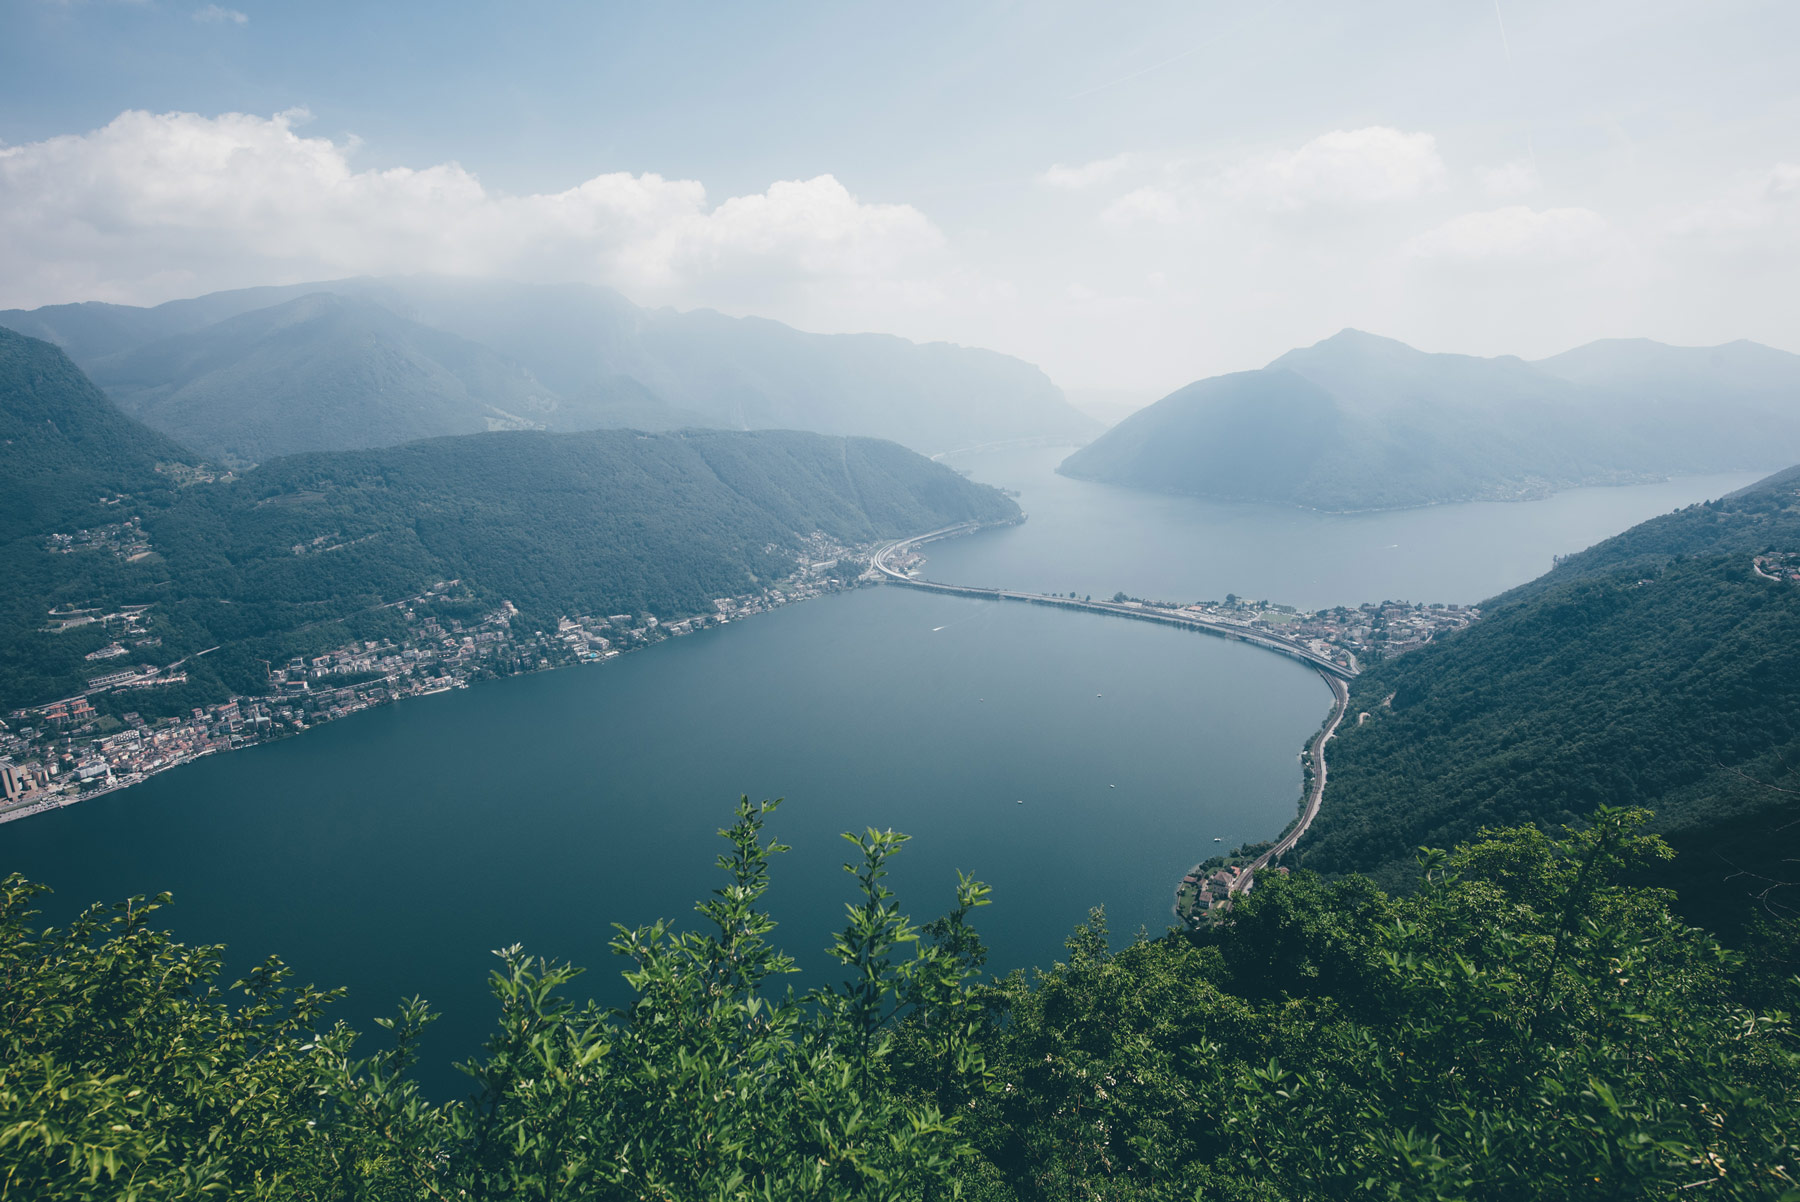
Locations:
(804, 585)
(1241, 878)
(1237, 879)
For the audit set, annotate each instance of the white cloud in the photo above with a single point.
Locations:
(1086, 175)
(213, 14)
(1358, 166)
(155, 205)
(1509, 181)
(1146, 205)
(1753, 207)
(1516, 232)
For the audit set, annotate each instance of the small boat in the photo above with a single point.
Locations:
(1216, 839)
(1112, 786)
(1021, 801)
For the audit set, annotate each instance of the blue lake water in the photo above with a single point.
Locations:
(1068, 759)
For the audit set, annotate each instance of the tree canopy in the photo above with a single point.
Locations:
(1525, 1024)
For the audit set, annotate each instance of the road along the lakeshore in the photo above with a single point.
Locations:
(1143, 613)
(1334, 674)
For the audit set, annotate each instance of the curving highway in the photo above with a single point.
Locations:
(1340, 693)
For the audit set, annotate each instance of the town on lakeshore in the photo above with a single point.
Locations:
(64, 751)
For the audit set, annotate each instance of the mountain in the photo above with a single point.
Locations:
(595, 522)
(320, 372)
(594, 359)
(63, 445)
(91, 330)
(1658, 668)
(1363, 422)
(747, 373)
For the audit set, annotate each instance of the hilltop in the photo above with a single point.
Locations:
(1363, 422)
(320, 372)
(346, 364)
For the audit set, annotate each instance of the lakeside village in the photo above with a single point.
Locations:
(1344, 635)
(65, 751)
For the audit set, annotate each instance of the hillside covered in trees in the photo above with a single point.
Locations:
(1524, 1025)
(254, 373)
(1363, 422)
(259, 564)
(318, 373)
(1659, 668)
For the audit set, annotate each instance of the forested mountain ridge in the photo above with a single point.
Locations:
(596, 522)
(320, 372)
(1363, 422)
(1658, 668)
(63, 445)
(594, 360)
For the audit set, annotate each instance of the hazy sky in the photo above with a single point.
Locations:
(1131, 195)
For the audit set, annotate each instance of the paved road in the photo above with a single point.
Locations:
(1341, 694)
(1144, 613)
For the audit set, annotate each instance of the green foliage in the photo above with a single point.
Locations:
(63, 445)
(128, 1074)
(1656, 669)
(1526, 1025)
(600, 522)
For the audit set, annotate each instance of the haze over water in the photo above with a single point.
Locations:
(390, 851)
(1098, 539)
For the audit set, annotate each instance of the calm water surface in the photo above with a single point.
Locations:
(1099, 539)
(1070, 760)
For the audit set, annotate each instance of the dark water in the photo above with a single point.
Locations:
(390, 851)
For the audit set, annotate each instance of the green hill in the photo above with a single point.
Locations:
(1658, 668)
(597, 522)
(320, 372)
(265, 371)
(63, 445)
(1361, 422)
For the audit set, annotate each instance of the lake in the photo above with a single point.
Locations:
(1068, 759)
(1100, 538)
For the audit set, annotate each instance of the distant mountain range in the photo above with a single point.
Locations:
(247, 375)
(601, 521)
(1363, 422)
(1659, 668)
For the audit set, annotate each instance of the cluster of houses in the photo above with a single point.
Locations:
(1778, 565)
(1206, 890)
(68, 750)
(126, 540)
(1345, 635)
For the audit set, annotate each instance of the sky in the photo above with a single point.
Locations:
(1132, 196)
